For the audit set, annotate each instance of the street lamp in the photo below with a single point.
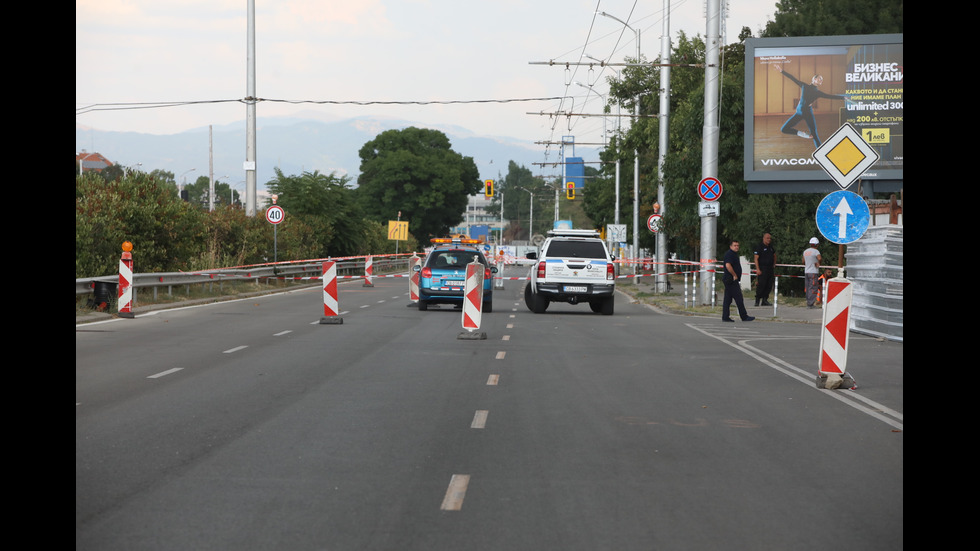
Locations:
(232, 199)
(636, 153)
(530, 231)
(618, 120)
(603, 98)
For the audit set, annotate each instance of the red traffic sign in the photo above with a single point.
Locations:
(275, 214)
(836, 323)
(709, 189)
(653, 223)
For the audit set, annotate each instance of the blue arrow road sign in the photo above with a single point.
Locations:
(843, 217)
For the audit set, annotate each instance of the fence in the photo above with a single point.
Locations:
(104, 287)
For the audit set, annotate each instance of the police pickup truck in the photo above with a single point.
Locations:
(574, 266)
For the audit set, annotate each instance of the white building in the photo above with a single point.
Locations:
(476, 222)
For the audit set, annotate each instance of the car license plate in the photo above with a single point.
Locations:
(576, 289)
(453, 283)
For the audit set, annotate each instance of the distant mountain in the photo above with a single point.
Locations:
(297, 145)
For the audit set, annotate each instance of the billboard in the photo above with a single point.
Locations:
(799, 91)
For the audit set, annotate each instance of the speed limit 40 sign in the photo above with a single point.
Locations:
(275, 214)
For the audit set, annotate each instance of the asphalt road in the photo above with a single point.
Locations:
(249, 425)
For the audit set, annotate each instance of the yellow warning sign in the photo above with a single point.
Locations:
(397, 231)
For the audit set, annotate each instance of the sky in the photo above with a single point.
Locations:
(474, 64)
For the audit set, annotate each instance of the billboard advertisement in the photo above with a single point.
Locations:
(799, 91)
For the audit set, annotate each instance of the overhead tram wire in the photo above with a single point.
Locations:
(148, 105)
(572, 78)
(560, 111)
(155, 105)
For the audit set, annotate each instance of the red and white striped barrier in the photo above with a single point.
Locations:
(368, 271)
(836, 323)
(473, 301)
(126, 282)
(413, 278)
(331, 305)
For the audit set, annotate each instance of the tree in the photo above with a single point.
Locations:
(835, 17)
(135, 208)
(517, 188)
(231, 238)
(199, 191)
(415, 171)
(164, 177)
(326, 205)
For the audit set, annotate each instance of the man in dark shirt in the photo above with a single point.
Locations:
(733, 289)
(765, 266)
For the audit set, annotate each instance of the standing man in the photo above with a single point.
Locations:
(733, 289)
(811, 270)
(765, 266)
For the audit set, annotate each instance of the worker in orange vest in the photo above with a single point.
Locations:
(821, 282)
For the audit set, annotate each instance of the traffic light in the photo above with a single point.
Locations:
(488, 189)
(570, 190)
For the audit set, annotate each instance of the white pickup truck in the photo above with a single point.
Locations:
(574, 266)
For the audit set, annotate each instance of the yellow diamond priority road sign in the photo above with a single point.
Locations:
(845, 156)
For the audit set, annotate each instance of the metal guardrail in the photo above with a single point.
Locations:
(311, 271)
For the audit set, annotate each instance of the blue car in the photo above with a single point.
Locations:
(442, 275)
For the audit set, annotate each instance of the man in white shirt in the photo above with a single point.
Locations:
(811, 270)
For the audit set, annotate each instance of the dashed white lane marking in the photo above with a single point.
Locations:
(501, 354)
(165, 373)
(236, 349)
(505, 338)
(453, 501)
(281, 333)
(480, 419)
(493, 380)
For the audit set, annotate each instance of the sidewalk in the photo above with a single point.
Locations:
(675, 304)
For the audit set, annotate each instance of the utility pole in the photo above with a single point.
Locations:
(709, 138)
(664, 117)
(250, 187)
(210, 169)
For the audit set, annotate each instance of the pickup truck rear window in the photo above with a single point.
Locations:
(576, 249)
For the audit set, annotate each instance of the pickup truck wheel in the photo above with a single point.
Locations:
(607, 306)
(534, 302)
(423, 305)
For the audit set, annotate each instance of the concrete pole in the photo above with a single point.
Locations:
(664, 118)
(210, 169)
(250, 185)
(709, 138)
(636, 174)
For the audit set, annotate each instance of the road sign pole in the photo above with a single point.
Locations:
(709, 189)
(274, 215)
